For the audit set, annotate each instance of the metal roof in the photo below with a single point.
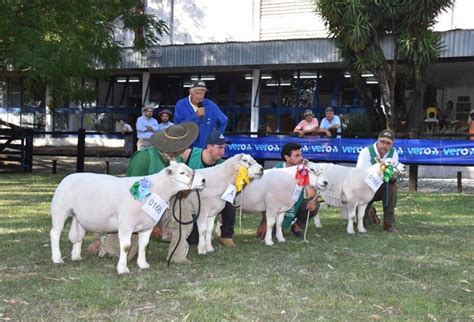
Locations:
(458, 43)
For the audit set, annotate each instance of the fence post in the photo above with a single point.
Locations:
(459, 181)
(107, 167)
(55, 164)
(81, 149)
(413, 174)
(28, 150)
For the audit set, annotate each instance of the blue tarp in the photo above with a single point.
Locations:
(433, 151)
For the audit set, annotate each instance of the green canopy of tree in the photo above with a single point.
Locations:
(360, 27)
(54, 40)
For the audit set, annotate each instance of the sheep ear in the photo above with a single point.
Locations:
(305, 162)
(378, 160)
(169, 172)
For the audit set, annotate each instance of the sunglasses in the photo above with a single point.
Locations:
(306, 115)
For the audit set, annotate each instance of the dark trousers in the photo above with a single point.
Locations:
(228, 220)
(227, 226)
(388, 205)
(302, 214)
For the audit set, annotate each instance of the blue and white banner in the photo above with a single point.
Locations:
(445, 152)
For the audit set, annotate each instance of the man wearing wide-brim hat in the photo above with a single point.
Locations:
(167, 145)
(146, 125)
(202, 111)
(382, 149)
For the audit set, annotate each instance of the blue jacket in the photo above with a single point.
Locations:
(213, 119)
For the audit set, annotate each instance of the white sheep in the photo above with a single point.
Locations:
(104, 204)
(274, 194)
(218, 178)
(347, 189)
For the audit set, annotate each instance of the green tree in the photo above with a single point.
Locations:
(361, 28)
(53, 41)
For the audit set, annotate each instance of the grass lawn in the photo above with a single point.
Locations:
(425, 272)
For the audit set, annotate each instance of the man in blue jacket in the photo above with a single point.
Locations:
(204, 112)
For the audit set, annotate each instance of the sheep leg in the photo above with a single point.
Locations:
(202, 228)
(58, 219)
(360, 218)
(76, 236)
(279, 232)
(270, 223)
(317, 219)
(210, 226)
(351, 209)
(125, 237)
(143, 240)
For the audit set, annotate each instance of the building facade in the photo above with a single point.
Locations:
(264, 61)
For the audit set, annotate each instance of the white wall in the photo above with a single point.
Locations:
(202, 21)
(460, 17)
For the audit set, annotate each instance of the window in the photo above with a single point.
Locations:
(463, 106)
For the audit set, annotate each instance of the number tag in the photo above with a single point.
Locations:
(229, 193)
(155, 207)
(297, 193)
(374, 181)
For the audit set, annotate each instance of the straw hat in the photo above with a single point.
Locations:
(176, 138)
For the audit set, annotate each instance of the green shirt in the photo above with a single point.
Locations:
(195, 160)
(147, 161)
(290, 214)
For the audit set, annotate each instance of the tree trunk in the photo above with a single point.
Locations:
(376, 119)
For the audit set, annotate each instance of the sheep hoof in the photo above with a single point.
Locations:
(58, 261)
(210, 249)
(144, 265)
(76, 258)
(270, 243)
(123, 270)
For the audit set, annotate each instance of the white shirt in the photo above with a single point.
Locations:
(363, 161)
(326, 124)
(142, 123)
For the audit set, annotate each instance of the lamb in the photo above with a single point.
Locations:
(347, 189)
(273, 194)
(218, 178)
(105, 204)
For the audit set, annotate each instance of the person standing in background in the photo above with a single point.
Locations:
(165, 122)
(331, 122)
(127, 133)
(146, 126)
(202, 111)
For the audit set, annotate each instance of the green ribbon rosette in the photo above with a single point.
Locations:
(141, 189)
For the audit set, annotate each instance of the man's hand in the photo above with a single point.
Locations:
(311, 205)
(149, 129)
(201, 111)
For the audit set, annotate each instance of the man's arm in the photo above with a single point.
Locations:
(141, 127)
(181, 112)
(222, 119)
(363, 160)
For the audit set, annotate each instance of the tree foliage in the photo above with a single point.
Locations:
(361, 29)
(53, 40)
